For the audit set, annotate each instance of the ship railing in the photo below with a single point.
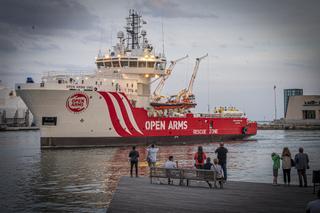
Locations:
(203, 115)
(215, 115)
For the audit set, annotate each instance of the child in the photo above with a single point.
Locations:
(218, 169)
(276, 165)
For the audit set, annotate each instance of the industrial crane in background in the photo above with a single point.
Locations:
(156, 97)
(185, 97)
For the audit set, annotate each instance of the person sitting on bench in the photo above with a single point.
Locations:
(219, 171)
(170, 164)
(207, 166)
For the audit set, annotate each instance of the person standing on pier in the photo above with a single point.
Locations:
(199, 158)
(276, 165)
(222, 157)
(152, 155)
(134, 159)
(302, 164)
(286, 165)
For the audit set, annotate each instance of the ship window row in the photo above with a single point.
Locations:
(134, 64)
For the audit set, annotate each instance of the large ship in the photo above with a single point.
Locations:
(115, 106)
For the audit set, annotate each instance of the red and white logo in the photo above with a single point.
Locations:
(77, 102)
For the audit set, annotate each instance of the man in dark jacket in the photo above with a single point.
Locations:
(134, 158)
(222, 157)
(302, 164)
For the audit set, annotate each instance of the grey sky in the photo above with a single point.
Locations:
(252, 44)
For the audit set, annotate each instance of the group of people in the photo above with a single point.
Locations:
(219, 164)
(300, 162)
(201, 161)
(134, 158)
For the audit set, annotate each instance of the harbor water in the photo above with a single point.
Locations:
(83, 180)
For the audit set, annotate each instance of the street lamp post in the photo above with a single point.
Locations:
(275, 102)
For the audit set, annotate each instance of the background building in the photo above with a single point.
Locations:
(301, 109)
(288, 93)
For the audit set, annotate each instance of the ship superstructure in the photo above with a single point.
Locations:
(115, 105)
(128, 67)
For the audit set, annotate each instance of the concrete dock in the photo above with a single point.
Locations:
(138, 195)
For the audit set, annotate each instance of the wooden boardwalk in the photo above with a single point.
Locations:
(138, 195)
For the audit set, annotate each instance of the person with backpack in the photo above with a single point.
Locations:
(287, 163)
(302, 164)
(199, 158)
(134, 159)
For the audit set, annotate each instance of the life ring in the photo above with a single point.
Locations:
(244, 130)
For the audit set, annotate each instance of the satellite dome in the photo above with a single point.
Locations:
(143, 32)
(120, 34)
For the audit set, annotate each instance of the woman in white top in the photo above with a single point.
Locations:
(152, 155)
(286, 165)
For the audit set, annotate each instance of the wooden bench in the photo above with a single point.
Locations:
(184, 174)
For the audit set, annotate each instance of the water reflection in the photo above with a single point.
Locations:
(83, 180)
(75, 180)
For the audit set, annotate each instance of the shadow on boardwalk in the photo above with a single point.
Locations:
(138, 195)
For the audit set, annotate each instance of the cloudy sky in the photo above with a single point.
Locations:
(252, 44)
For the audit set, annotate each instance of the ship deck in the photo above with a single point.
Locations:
(138, 195)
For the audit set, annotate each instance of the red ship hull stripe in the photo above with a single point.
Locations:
(124, 112)
(113, 115)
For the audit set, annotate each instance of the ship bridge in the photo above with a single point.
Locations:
(133, 54)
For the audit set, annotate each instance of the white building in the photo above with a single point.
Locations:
(13, 111)
(303, 109)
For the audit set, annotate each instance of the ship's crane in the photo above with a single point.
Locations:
(186, 95)
(157, 92)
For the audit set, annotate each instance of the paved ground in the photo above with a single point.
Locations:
(138, 195)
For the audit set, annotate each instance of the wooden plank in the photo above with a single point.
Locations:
(138, 195)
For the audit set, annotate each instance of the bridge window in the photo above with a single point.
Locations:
(124, 63)
(108, 64)
(100, 64)
(142, 64)
(133, 64)
(150, 64)
(115, 63)
(160, 66)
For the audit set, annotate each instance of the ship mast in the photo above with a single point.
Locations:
(133, 30)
